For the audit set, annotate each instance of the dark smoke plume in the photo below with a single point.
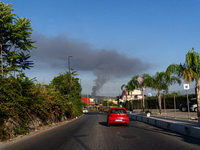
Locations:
(105, 64)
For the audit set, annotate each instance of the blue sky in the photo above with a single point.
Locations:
(110, 40)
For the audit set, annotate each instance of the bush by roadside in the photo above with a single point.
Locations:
(25, 105)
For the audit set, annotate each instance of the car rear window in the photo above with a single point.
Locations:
(118, 111)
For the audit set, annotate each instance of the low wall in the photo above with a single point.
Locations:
(172, 125)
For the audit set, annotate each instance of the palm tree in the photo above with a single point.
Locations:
(129, 88)
(161, 81)
(134, 84)
(190, 71)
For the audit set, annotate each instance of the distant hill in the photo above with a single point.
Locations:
(98, 97)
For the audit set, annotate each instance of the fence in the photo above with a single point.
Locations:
(169, 102)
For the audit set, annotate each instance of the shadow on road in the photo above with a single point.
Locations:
(185, 138)
(94, 113)
(77, 138)
(103, 123)
(114, 124)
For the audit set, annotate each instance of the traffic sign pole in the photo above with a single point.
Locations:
(187, 87)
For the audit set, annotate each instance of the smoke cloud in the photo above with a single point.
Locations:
(105, 64)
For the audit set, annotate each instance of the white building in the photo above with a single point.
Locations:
(133, 95)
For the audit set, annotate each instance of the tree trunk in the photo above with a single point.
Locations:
(1, 59)
(143, 99)
(159, 102)
(131, 102)
(198, 101)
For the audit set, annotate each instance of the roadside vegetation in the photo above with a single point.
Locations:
(189, 71)
(23, 100)
(172, 101)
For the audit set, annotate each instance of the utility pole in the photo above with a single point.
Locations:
(70, 77)
(87, 100)
(80, 87)
(107, 101)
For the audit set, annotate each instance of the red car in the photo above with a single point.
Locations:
(118, 115)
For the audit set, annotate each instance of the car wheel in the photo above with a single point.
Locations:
(195, 109)
(184, 109)
(109, 124)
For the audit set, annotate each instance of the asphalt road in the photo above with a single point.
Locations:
(90, 132)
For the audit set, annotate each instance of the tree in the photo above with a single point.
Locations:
(19, 40)
(128, 88)
(105, 103)
(189, 71)
(6, 17)
(134, 84)
(61, 83)
(161, 81)
(14, 37)
(23, 62)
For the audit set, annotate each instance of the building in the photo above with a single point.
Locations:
(92, 102)
(133, 95)
(86, 100)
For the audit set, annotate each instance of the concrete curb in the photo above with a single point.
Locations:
(172, 125)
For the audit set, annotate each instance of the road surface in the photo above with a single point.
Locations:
(90, 132)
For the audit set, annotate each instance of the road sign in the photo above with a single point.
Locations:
(140, 79)
(186, 86)
(163, 91)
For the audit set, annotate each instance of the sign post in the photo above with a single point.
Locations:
(131, 104)
(150, 95)
(174, 106)
(163, 91)
(187, 87)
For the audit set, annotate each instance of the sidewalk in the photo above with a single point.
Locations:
(171, 113)
(184, 126)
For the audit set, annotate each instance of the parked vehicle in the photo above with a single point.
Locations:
(193, 107)
(118, 115)
(85, 110)
(184, 107)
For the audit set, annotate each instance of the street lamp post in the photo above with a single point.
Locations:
(70, 77)
(80, 87)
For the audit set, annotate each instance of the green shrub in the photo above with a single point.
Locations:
(19, 131)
